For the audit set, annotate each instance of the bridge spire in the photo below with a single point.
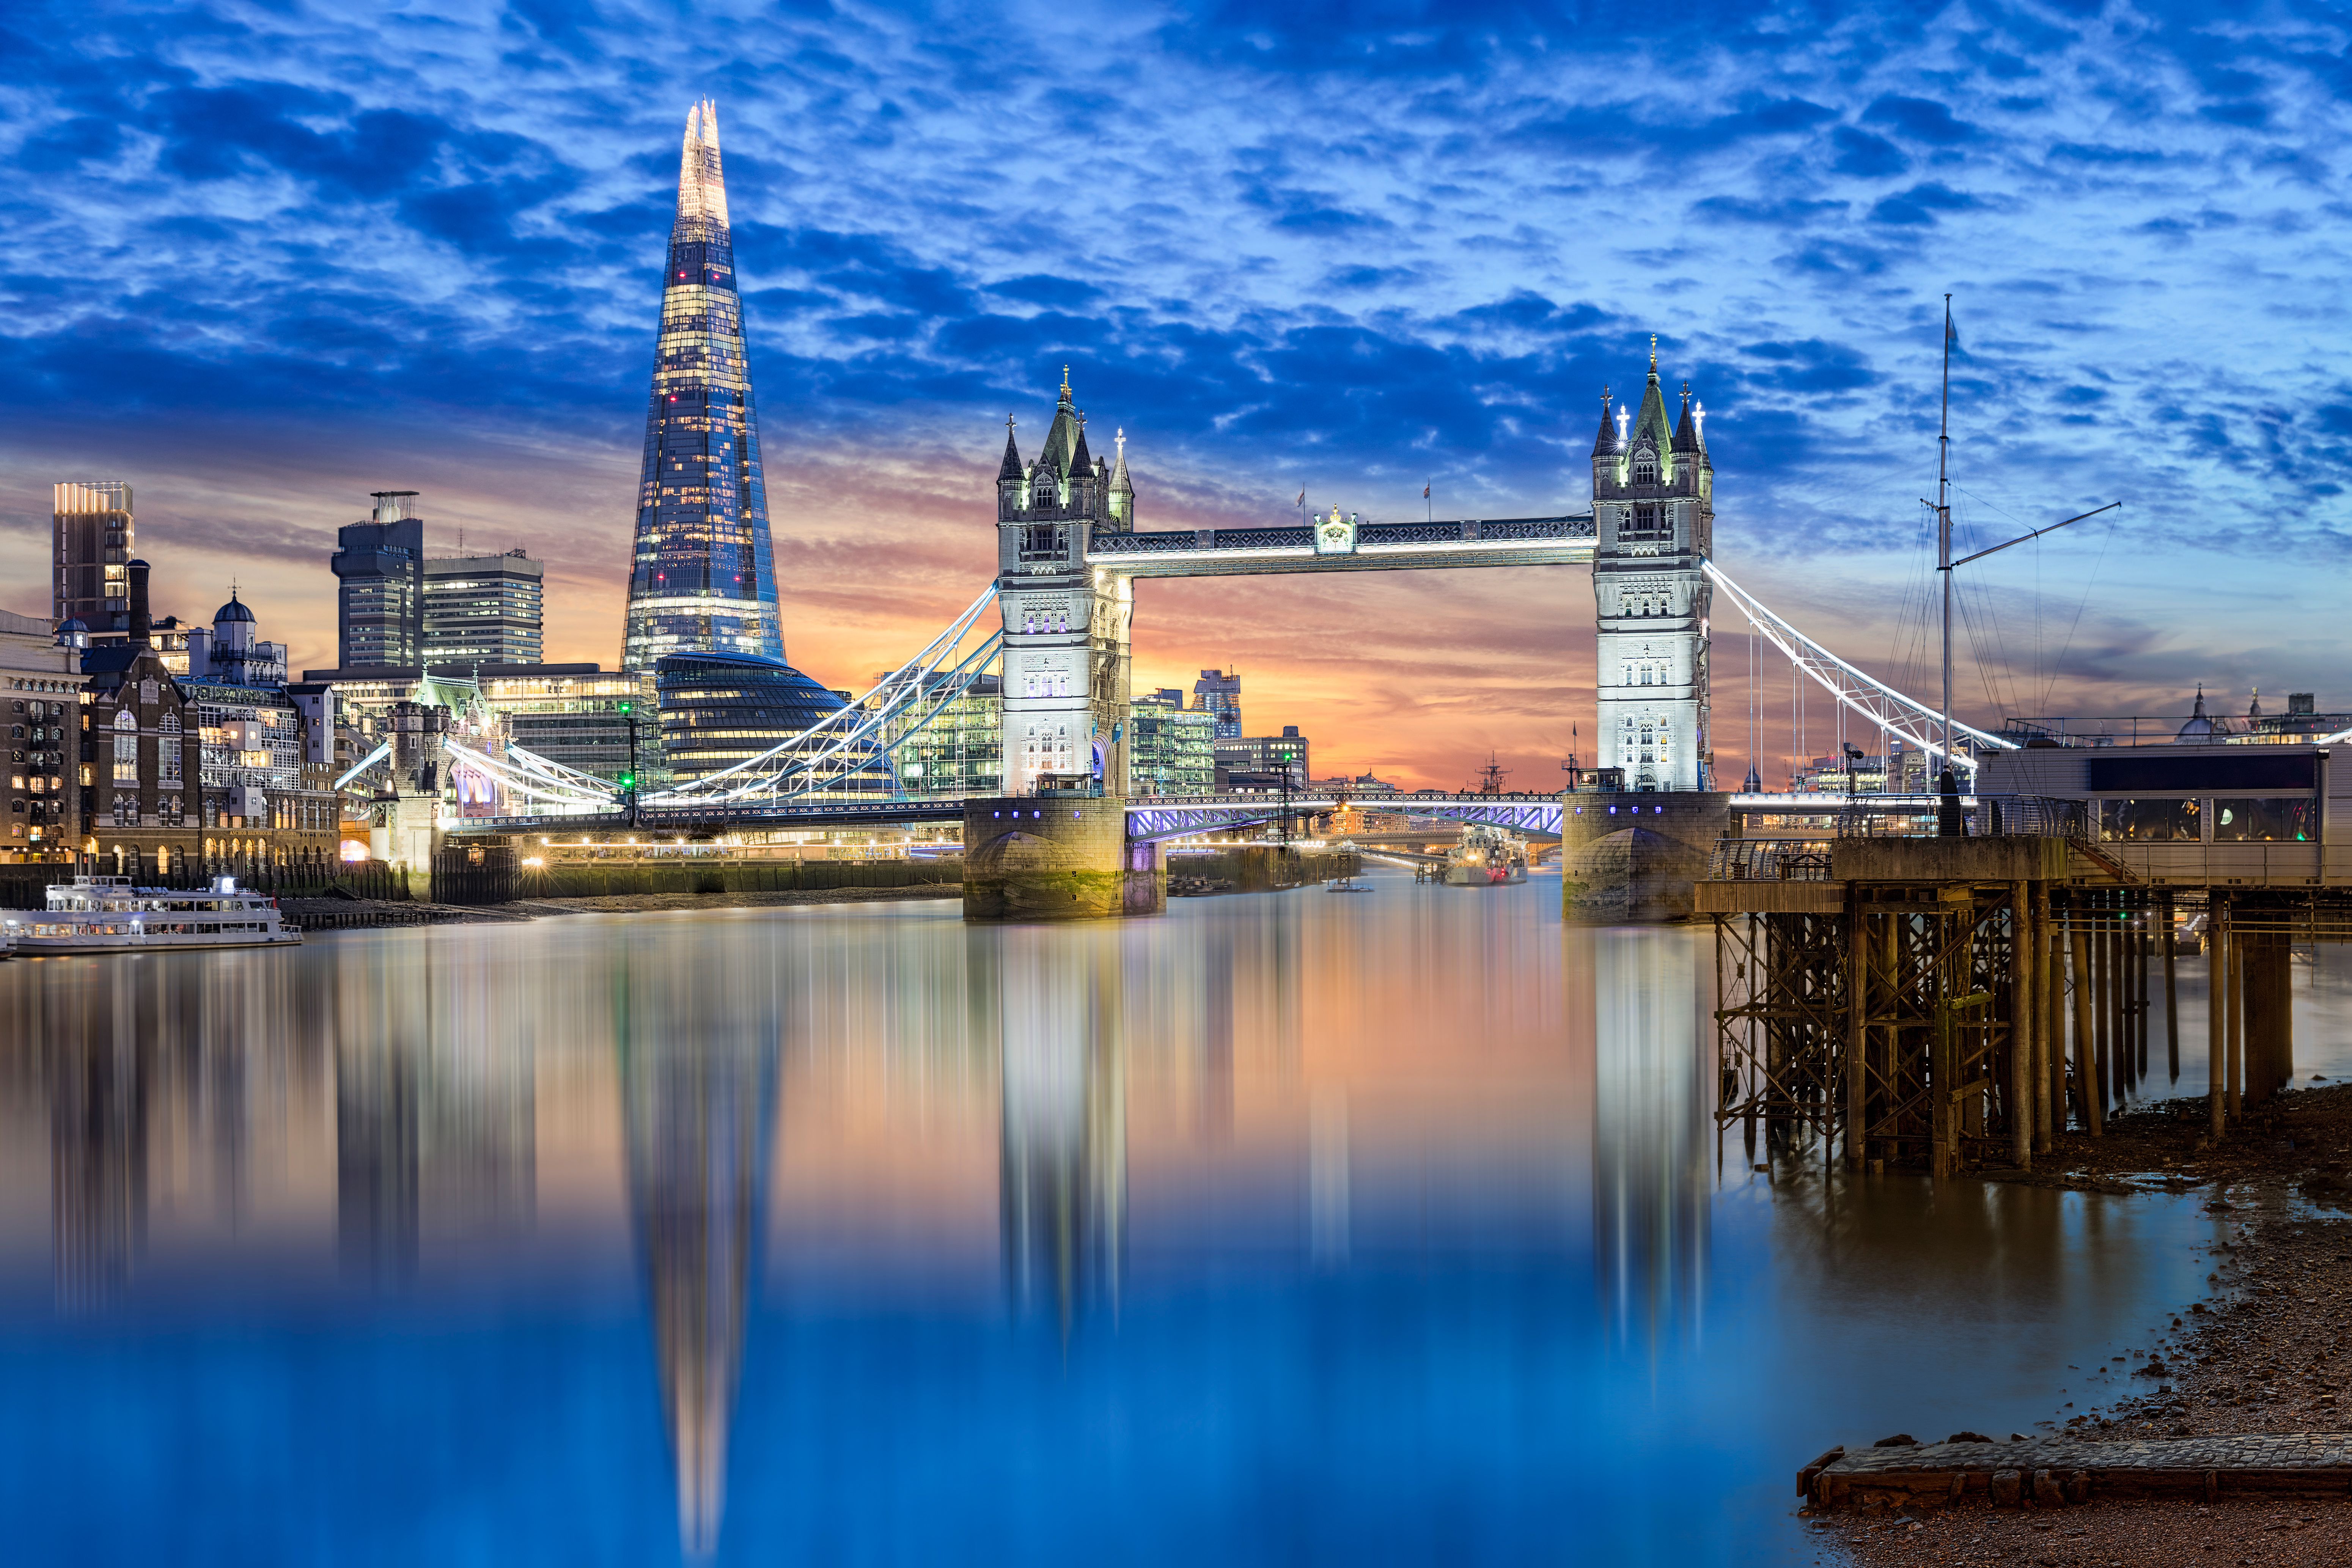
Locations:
(1606, 441)
(1687, 432)
(1011, 468)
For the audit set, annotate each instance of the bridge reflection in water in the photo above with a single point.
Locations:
(1651, 1177)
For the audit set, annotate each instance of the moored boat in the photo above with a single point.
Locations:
(108, 914)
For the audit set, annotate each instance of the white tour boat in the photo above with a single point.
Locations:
(107, 914)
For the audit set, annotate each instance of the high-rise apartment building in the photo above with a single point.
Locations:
(378, 569)
(1221, 693)
(701, 579)
(40, 675)
(483, 609)
(94, 536)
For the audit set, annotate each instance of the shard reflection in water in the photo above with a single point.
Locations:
(1061, 1197)
(697, 1066)
(1650, 1116)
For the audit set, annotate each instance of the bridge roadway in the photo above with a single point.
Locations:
(1149, 819)
(1349, 547)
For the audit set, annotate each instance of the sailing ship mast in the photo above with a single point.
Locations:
(1944, 523)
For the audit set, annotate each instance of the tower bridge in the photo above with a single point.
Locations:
(1069, 555)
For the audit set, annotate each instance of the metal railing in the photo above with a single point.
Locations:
(1805, 857)
(1770, 860)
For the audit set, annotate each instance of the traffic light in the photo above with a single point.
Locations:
(624, 706)
(628, 780)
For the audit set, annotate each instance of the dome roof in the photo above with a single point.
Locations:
(71, 624)
(234, 610)
(2199, 728)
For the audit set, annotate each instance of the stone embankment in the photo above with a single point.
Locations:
(2227, 1440)
(348, 914)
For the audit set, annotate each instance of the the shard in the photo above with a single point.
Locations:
(702, 579)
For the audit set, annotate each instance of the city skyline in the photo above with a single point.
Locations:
(1425, 297)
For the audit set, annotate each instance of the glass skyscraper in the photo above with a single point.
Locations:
(701, 578)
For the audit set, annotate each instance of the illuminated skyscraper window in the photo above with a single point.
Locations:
(701, 579)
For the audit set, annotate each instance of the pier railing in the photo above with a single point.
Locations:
(1805, 856)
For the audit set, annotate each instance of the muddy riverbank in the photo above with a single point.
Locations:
(2270, 1350)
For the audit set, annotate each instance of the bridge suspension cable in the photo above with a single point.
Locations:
(842, 743)
(1912, 722)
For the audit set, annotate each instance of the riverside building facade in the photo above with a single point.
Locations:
(701, 578)
(183, 776)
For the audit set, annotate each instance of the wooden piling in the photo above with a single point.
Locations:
(2143, 920)
(2022, 1076)
(2171, 996)
(1857, 1031)
(2232, 1003)
(2103, 1004)
(2049, 1033)
(2090, 1103)
(2217, 987)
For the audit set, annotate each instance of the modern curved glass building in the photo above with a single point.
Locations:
(719, 710)
(702, 577)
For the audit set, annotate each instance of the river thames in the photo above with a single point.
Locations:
(1300, 1228)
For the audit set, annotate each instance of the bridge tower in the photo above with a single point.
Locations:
(1654, 524)
(1066, 624)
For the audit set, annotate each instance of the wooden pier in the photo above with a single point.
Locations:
(1952, 1003)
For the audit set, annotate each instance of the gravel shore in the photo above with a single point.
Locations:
(2269, 1351)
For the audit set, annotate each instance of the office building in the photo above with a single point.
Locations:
(92, 538)
(378, 569)
(1254, 762)
(483, 609)
(701, 578)
(1171, 748)
(578, 715)
(1219, 692)
(960, 752)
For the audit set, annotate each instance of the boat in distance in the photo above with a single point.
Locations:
(107, 914)
(1486, 858)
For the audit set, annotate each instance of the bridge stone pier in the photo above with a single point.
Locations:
(1634, 857)
(1038, 857)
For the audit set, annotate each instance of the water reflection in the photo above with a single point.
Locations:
(1651, 1135)
(1062, 1184)
(696, 1039)
(1342, 1221)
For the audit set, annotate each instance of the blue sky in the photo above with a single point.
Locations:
(261, 259)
